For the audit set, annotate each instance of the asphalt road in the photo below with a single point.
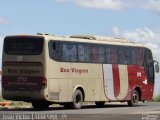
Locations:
(111, 111)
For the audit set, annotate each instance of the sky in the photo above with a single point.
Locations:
(135, 20)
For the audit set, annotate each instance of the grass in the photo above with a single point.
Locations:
(156, 99)
(15, 103)
(1, 99)
(20, 104)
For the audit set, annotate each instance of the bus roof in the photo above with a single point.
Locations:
(94, 39)
(89, 39)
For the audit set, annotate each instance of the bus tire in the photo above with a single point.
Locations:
(100, 104)
(40, 105)
(134, 99)
(77, 99)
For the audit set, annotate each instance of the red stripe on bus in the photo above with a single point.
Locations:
(116, 79)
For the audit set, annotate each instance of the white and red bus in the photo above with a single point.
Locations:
(45, 69)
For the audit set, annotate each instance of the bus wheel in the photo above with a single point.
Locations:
(134, 99)
(40, 105)
(100, 104)
(77, 99)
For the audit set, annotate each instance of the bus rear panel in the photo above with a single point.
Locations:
(23, 75)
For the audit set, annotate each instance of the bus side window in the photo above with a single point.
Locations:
(101, 54)
(51, 50)
(114, 55)
(81, 53)
(128, 55)
(134, 56)
(108, 55)
(137, 56)
(84, 53)
(54, 50)
(124, 55)
(88, 54)
(94, 54)
(140, 56)
(98, 54)
(121, 55)
(69, 52)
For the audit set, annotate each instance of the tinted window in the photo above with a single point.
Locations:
(92, 53)
(84, 53)
(149, 65)
(114, 55)
(55, 51)
(121, 55)
(139, 54)
(124, 55)
(23, 45)
(108, 54)
(101, 54)
(128, 55)
(69, 52)
(134, 56)
(66, 52)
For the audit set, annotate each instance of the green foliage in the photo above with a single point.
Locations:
(156, 99)
(1, 99)
(16, 103)
(19, 104)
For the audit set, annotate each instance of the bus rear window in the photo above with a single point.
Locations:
(22, 45)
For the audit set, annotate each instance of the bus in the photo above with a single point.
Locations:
(46, 69)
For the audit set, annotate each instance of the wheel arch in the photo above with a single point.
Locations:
(137, 88)
(79, 87)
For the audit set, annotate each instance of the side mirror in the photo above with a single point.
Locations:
(157, 68)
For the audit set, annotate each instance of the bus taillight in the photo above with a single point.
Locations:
(43, 81)
(4, 81)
